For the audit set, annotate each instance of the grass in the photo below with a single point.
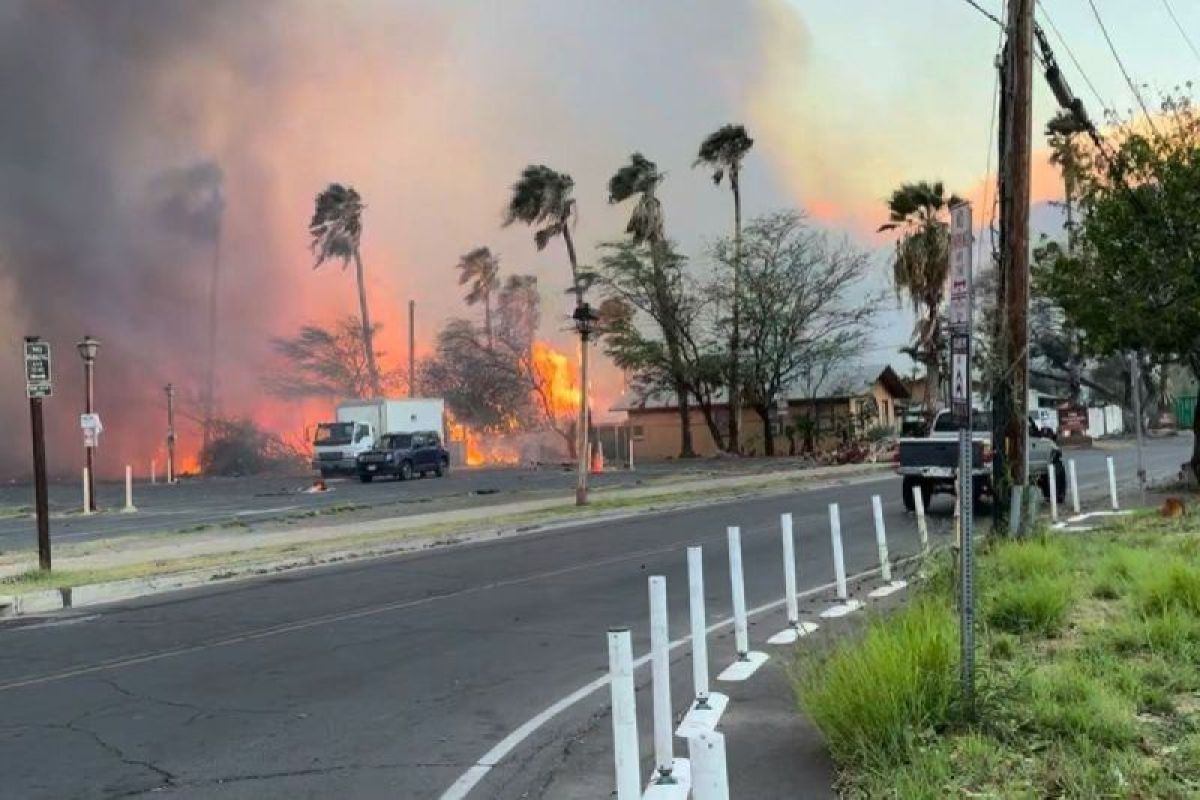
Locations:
(1089, 676)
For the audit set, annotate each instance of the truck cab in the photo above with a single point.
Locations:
(337, 446)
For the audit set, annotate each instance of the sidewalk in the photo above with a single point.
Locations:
(130, 566)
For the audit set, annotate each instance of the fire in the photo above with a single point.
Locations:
(556, 378)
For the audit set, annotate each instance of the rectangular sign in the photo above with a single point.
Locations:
(92, 428)
(961, 241)
(37, 368)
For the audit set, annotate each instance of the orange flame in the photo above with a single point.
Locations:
(556, 379)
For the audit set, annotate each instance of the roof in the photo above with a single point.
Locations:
(851, 380)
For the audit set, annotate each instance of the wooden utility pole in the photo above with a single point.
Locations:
(171, 466)
(1013, 319)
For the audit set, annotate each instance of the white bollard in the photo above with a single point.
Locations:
(87, 495)
(919, 506)
(1074, 485)
(789, 569)
(631, 454)
(708, 706)
(885, 564)
(660, 668)
(153, 472)
(1112, 484)
(1052, 479)
(699, 625)
(129, 506)
(710, 781)
(741, 631)
(746, 662)
(624, 715)
(795, 628)
(839, 562)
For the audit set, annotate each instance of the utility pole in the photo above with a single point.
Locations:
(1011, 427)
(1135, 384)
(170, 390)
(412, 358)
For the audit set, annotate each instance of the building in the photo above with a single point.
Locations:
(849, 402)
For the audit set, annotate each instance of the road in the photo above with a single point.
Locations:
(261, 502)
(390, 678)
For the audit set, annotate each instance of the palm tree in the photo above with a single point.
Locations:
(920, 269)
(541, 198)
(336, 229)
(722, 151)
(481, 270)
(641, 177)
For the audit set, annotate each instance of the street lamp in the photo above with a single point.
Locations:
(585, 323)
(87, 351)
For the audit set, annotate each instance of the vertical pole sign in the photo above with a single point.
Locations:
(37, 387)
(961, 240)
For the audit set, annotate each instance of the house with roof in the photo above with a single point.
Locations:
(821, 413)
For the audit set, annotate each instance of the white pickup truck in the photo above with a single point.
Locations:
(930, 463)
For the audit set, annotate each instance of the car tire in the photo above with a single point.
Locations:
(911, 483)
(405, 472)
(366, 478)
(442, 468)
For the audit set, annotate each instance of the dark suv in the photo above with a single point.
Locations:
(403, 455)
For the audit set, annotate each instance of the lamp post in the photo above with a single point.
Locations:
(585, 322)
(87, 351)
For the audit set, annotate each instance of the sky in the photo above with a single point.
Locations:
(430, 109)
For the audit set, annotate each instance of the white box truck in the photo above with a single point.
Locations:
(360, 423)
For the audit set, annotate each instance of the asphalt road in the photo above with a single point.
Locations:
(390, 678)
(261, 502)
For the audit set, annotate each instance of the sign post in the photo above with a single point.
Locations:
(961, 240)
(38, 385)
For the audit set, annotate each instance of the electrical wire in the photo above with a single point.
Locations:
(985, 12)
(1116, 56)
(1179, 27)
(1105, 107)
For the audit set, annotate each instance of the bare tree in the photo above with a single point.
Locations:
(796, 287)
(328, 362)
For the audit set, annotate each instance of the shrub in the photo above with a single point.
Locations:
(1038, 606)
(1023, 559)
(874, 698)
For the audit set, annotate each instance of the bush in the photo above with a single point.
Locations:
(871, 698)
(1023, 559)
(240, 447)
(1038, 606)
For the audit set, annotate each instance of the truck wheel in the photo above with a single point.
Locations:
(909, 485)
(366, 478)
(442, 468)
(406, 472)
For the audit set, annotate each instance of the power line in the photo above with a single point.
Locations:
(1071, 54)
(1179, 27)
(985, 12)
(1116, 56)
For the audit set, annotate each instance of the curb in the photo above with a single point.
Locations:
(45, 601)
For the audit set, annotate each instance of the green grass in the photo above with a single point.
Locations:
(876, 701)
(1089, 676)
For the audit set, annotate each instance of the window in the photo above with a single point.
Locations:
(397, 441)
(418, 440)
(334, 433)
(982, 422)
(431, 440)
(637, 432)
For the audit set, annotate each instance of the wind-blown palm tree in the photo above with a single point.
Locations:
(481, 269)
(641, 177)
(336, 229)
(541, 198)
(920, 268)
(722, 151)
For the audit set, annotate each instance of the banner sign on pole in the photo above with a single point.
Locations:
(92, 428)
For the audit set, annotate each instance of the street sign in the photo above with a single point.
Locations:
(92, 428)
(961, 241)
(37, 368)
